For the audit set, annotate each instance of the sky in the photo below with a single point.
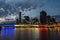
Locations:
(9, 9)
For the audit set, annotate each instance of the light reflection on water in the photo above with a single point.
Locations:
(29, 34)
(7, 33)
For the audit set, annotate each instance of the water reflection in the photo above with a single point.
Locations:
(29, 34)
(7, 34)
(43, 33)
(21, 34)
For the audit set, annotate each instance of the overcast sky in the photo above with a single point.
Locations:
(28, 7)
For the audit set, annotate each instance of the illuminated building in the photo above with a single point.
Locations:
(43, 17)
(54, 19)
(19, 17)
(17, 21)
(48, 20)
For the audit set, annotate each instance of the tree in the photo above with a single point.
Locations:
(35, 21)
(26, 19)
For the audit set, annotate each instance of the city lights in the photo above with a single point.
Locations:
(2, 19)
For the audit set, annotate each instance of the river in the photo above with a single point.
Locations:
(29, 34)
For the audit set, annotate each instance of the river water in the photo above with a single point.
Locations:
(29, 34)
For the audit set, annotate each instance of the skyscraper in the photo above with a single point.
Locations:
(43, 15)
(48, 19)
(53, 20)
(17, 21)
(19, 17)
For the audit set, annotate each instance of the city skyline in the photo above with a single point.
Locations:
(9, 9)
(29, 19)
(43, 19)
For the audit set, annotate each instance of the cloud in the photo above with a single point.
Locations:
(1, 9)
(12, 6)
(26, 3)
(8, 18)
(2, 19)
(11, 17)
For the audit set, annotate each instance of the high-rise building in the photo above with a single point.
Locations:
(53, 20)
(26, 19)
(19, 17)
(17, 21)
(48, 19)
(43, 15)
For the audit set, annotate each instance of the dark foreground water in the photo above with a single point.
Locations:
(29, 34)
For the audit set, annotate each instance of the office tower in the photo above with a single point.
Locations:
(20, 17)
(26, 19)
(43, 15)
(48, 19)
(53, 20)
(17, 21)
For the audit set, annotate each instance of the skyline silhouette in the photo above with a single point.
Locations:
(9, 9)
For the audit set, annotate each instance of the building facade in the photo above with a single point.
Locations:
(43, 15)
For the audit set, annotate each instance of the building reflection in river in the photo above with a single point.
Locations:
(29, 34)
